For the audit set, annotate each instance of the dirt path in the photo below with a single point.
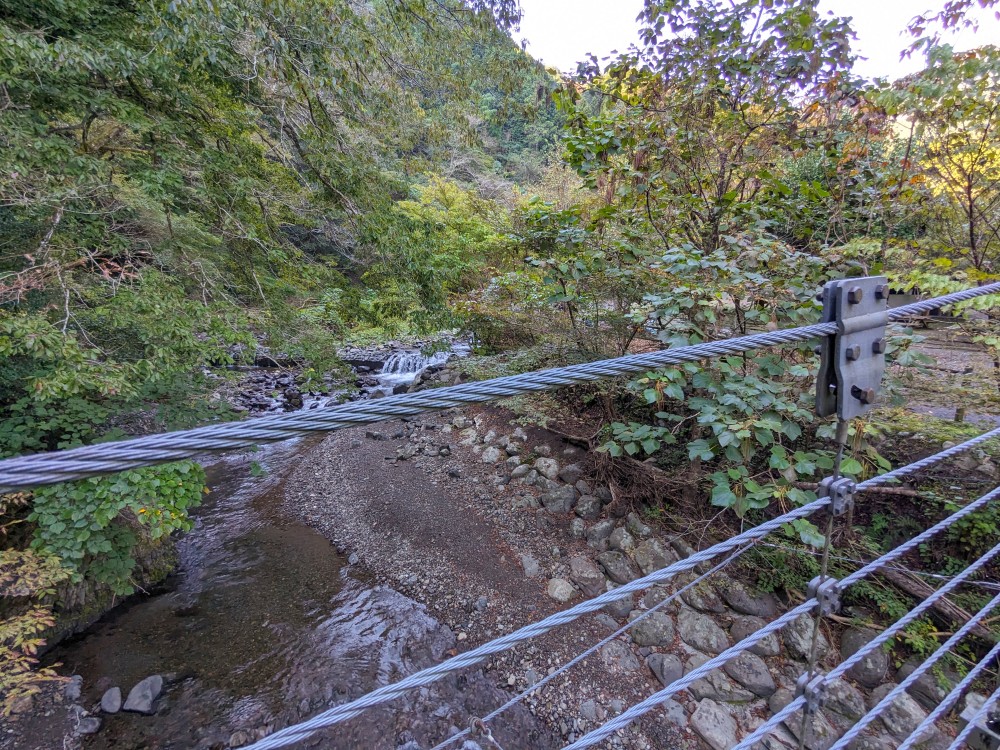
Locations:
(450, 532)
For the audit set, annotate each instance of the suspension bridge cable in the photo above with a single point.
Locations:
(944, 706)
(974, 722)
(381, 695)
(898, 691)
(40, 469)
(593, 649)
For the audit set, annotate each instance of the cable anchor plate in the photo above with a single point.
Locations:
(814, 689)
(841, 491)
(826, 591)
(852, 361)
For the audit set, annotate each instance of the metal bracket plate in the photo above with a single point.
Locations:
(826, 591)
(852, 361)
(814, 689)
(841, 493)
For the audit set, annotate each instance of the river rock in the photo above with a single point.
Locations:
(752, 673)
(597, 535)
(902, 715)
(797, 636)
(585, 574)
(492, 454)
(748, 625)
(714, 724)
(701, 632)
(141, 698)
(655, 629)
(571, 473)
(530, 565)
(870, 671)
(618, 657)
(616, 566)
(739, 598)
(111, 701)
(637, 527)
(621, 540)
(88, 725)
(559, 500)
(561, 590)
(652, 555)
(667, 667)
(588, 507)
(547, 467)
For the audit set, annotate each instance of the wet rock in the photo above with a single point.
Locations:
(797, 636)
(870, 671)
(715, 685)
(561, 590)
(715, 724)
(902, 715)
(559, 500)
(491, 455)
(621, 540)
(743, 601)
(89, 725)
(701, 632)
(651, 555)
(142, 697)
(530, 566)
(750, 671)
(571, 473)
(111, 701)
(637, 527)
(748, 625)
(597, 535)
(585, 574)
(618, 657)
(588, 507)
(547, 467)
(655, 629)
(667, 667)
(616, 566)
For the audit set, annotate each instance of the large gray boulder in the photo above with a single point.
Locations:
(597, 535)
(588, 507)
(746, 626)
(616, 567)
(870, 671)
(667, 667)
(547, 467)
(750, 671)
(902, 715)
(715, 724)
(621, 540)
(655, 629)
(618, 657)
(743, 601)
(559, 500)
(561, 590)
(797, 636)
(701, 632)
(652, 555)
(142, 697)
(585, 574)
(571, 473)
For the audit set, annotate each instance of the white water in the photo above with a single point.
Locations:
(402, 368)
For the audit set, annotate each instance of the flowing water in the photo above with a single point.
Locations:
(263, 625)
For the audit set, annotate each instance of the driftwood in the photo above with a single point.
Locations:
(917, 587)
(877, 490)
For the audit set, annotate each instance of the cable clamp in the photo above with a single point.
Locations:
(813, 688)
(841, 492)
(826, 591)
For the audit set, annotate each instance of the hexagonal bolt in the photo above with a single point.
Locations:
(855, 294)
(878, 346)
(853, 353)
(865, 395)
(882, 291)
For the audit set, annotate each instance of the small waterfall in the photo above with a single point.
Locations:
(403, 367)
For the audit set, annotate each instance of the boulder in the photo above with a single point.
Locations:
(621, 540)
(704, 598)
(748, 625)
(870, 671)
(667, 667)
(561, 590)
(571, 473)
(111, 701)
(820, 734)
(559, 500)
(142, 697)
(616, 567)
(652, 554)
(743, 601)
(588, 507)
(715, 725)
(655, 629)
(620, 608)
(577, 528)
(492, 454)
(547, 467)
(701, 632)
(930, 688)
(845, 700)
(598, 534)
(750, 671)
(637, 527)
(530, 566)
(797, 636)
(585, 574)
(618, 657)
(715, 684)
(902, 715)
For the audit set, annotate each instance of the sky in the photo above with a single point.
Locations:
(562, 32)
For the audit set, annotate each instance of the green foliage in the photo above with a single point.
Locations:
(91, 525)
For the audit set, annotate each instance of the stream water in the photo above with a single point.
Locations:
(263, 624)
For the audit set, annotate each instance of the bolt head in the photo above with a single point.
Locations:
(878, 346)
(865, 395)
(855, 294)
(853, 353)
(882, 291)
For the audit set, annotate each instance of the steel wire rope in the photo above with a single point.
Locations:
(931, 660)
(593, 649)
(973, 724)
(648, 704)
(341, 713)
(40, 469)
(950, 699)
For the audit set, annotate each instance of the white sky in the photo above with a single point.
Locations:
(562, 32)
